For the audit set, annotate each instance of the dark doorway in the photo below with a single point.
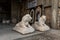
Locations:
(5, 10)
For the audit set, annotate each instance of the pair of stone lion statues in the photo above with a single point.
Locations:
(24, 27)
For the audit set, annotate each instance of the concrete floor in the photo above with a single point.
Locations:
(6, 33)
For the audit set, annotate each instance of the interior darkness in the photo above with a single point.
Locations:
(5, 10)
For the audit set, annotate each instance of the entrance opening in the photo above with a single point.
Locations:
(5, 10)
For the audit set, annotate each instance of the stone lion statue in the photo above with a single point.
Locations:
(24, 27)
(40, 25)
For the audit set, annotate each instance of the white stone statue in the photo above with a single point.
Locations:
(40, 25)
(24, 27)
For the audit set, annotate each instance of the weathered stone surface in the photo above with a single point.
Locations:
(48, 35)
(41, 26)
(54, 14)
(8, 34)
(23, 26)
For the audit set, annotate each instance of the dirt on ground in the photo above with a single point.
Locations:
(48, 35)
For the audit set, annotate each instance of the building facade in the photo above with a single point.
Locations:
(50, 8)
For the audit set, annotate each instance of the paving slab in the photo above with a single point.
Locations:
(8, 34)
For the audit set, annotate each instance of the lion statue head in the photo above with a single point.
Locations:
(43, 17)
(26, 18)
